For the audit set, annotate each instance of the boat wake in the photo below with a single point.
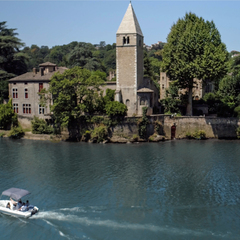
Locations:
(85, 221)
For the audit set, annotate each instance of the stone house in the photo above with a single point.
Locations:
(24, 91)
(198, 92)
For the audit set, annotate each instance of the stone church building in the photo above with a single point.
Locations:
(131, 87)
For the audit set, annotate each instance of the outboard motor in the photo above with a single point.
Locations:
(34, 211)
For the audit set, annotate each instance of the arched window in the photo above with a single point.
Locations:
(128, 40)
(127, 102)
(124, 40)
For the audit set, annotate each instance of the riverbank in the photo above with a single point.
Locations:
(159, 128)
(64, 137)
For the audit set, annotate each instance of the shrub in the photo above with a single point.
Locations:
(151, 138)
(39, 126)
(2, 134)
(115, 109)
(7, 116)
(158, 128)
(142, 124)
(86, 135)
(188, 135)
(100, 133)
(238, 132)
(199, 134)
(97, 119)
(110, 94)
(237, 111)
(16, 132)
(135, 137)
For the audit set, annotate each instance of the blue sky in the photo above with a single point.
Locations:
(53, 23)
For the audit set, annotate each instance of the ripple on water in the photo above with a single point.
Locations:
(172, 190)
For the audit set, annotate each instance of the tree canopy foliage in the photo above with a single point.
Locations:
(100, 57)
(74, 92)
(7, 116)
(12, 60)
(194, 50)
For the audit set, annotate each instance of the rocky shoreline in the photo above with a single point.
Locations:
(64, 137)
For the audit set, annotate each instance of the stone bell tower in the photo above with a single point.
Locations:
(129, 47)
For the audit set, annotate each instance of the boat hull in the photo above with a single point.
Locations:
(16, 213)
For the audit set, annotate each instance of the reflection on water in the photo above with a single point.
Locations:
(170, 190)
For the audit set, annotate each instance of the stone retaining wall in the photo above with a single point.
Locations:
(213, 127)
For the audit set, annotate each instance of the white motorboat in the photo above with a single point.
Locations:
(16, 194)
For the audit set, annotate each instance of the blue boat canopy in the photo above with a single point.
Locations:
(15, 193)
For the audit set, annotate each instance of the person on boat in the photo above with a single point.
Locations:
(16, 204)
(27, 203)
(23, 208)
(8, 205)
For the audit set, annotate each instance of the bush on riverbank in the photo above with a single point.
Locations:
(142, 124)
(198, 134)
(238, 132)
(99, 134)
(39, 126)
(2, 134)
(16, 132)
(7, 116)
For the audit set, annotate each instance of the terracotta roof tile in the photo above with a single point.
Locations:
(145, 90)
(30, 76)
(47, 64)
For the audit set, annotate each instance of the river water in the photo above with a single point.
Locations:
(169, 190)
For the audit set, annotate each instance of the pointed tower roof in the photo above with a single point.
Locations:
(129, 23)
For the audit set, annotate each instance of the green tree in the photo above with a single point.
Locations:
(171, 102)
(115, 109)
(110, 94)
(235, 65)
(12, 60)
(82, 56)
(36, 55)
(40, 126)
(7, 115)
(156, 64)
(149, 70)
(229, 94)
(74, 92)
(194, 50)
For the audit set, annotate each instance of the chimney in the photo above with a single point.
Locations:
(34, 71)
(42, 71)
